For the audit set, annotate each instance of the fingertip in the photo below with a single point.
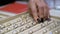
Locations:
(35, 18)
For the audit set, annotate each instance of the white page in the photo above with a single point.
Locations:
(55, 13)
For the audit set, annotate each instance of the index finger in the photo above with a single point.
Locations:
(33, 10)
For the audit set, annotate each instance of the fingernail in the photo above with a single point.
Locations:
(42, 20)
(38, 20)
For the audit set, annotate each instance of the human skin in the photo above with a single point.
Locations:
(39, 9)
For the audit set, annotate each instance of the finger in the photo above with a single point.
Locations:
(34, 10)
(41, 10)
(46, 12)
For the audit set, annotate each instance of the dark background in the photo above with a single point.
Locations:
(4, 2)
(21, 0)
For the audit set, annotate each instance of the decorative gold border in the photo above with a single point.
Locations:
(18, 15)
(4, 15)
(11, 18)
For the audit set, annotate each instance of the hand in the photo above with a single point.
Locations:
(39, 9)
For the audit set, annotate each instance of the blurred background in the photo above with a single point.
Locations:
(52, 3)
(18, 6)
